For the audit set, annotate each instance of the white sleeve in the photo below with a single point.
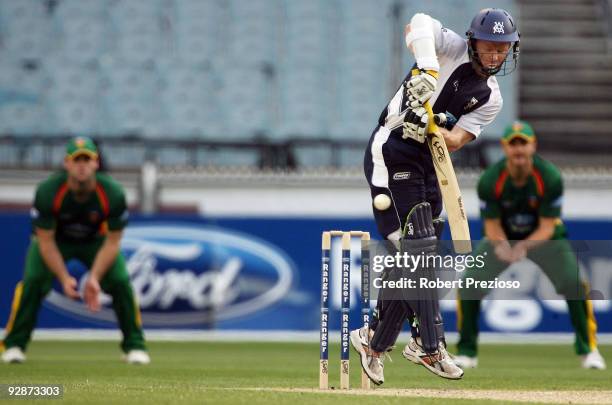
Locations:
(448, 43)
(474, 121)
(421, 41)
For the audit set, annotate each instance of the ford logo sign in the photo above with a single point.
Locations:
(188, 275)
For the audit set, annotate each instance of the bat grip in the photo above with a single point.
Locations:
(432, 128)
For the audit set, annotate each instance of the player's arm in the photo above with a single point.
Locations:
(490, 211)
(420, 39)
(543, 233)
(456, 138)
(110, 248)
(44, 224)
(549, 214)
(105, 257)
(107, 254)
(498, 238)
(55, 262)
(493, 230)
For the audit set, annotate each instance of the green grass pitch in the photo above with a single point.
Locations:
(223, 373)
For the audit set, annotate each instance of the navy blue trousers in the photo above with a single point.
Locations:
(403, 170)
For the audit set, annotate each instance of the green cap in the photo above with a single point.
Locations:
(519, 129)
(81, 145)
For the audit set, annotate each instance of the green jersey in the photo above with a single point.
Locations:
(56, 208)
(520, 208)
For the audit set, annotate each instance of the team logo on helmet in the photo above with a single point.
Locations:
(498, 27)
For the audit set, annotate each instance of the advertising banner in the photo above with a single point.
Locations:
(192, 272)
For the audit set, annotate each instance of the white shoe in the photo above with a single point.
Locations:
(413, 351)
(593, 360)
(137, 357)
(13, 355)
(439, 363)
(373, 366)
(375, 369)
(465, 362)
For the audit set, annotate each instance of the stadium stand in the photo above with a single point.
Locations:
(305, 78)
(567, 91)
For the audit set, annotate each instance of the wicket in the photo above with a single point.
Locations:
(345, 300)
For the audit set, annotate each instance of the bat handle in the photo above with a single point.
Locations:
(432, 128)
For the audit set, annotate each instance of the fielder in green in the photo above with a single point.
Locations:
(78, 213)
(521, 210)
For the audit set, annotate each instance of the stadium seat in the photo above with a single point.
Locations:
(67, 10)
(22, 117)
(138, 41)
(130, 96)
(28, 38)
(22, 105)
(16, 80)
(83, 39)
(253, 35)
(245, 102)
(137, 27)
(11, 10)
(72, 97)
(304, 103)
(73, 117)
(189, 99)
(70, 83)
(198, 9)
(195, 43)
(198, 28)
(128, 10)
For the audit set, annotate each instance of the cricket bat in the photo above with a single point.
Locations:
(449, 187)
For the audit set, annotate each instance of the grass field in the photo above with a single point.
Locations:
(258, 373)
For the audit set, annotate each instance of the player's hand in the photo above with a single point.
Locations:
(445, 120)
(519, 251)
(421, 87)
(416, 123)
(69, 286)
(504, 252)
(92, 294)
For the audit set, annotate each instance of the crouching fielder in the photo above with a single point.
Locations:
(457, 77)
(521, 199)
(79, 213)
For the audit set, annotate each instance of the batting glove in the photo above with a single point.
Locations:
(415, 124)
(421, 87)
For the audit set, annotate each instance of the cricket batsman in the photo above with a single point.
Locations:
(521, 199)
(456, 76)
(78, 213)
